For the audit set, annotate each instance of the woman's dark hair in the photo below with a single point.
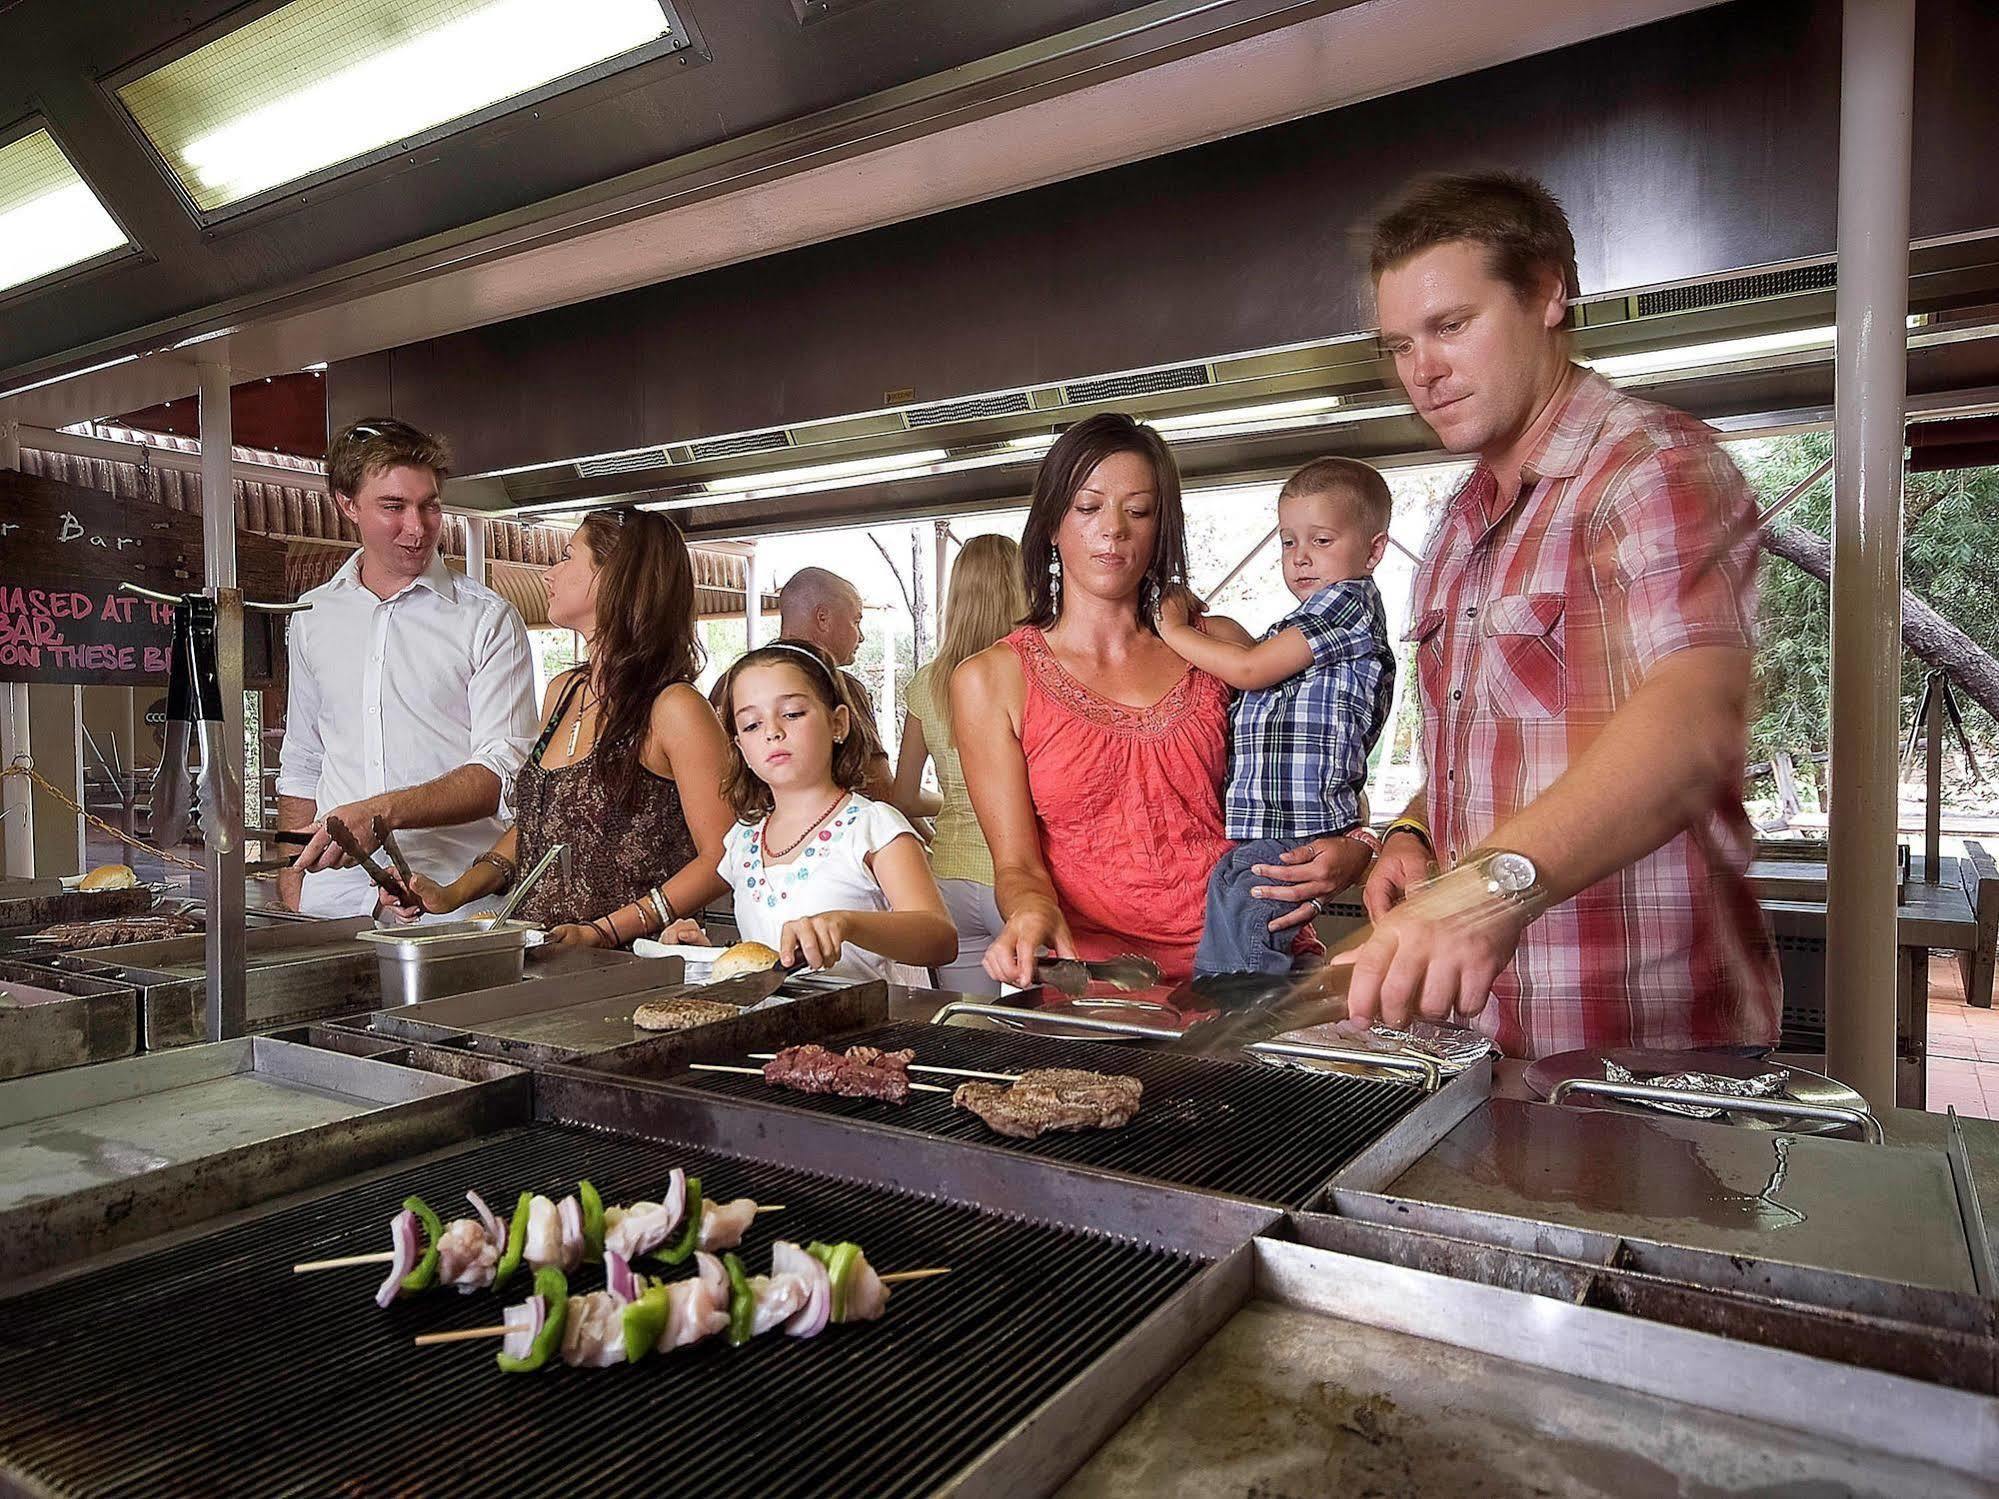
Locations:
(1063, 471)
(645, 640)
(741, 787)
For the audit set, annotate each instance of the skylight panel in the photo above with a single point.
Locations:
(318, 84)
(49, 218)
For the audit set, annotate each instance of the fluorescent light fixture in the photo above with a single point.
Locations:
(49, 218)
(1276, 414)
(825, 473)
(317, 83)
(1693, 356)
(1040, 442)
(88, 369)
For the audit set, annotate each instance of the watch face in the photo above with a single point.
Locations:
(1512, 874)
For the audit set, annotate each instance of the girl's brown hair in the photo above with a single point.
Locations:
(645, 640)
(745, 791)
(1063, 471)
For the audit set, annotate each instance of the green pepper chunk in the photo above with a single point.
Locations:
(424, 1276)
(593, 1222)
(839, 1263)
(553, 1290)
(517, 1243)
(645, 1320)
(690, 1229)
(742, 1301)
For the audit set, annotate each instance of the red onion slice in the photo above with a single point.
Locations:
(676, 1200)
(809, 1320)
(714, 1278)
(523, 1323)
(618, 1277)
(569, 1213)
(403, 1229)
(486, 1219)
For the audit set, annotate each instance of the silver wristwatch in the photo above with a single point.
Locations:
(1508, 876)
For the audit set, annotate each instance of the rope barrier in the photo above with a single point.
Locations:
(19, 768)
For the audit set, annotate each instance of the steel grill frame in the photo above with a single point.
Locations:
(1209, 1125)
(300, 1384)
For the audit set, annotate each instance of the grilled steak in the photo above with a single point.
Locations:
(1053, 1098)
(863, 1072)
(681, 1014)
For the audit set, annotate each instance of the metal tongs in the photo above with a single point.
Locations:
(529, 880)
(1073, 976)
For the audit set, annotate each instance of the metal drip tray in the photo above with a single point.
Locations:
(1347, 1377)
(1864, 1210)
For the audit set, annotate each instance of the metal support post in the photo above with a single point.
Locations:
(17, 793)
(943, 530)
(222, 827)
(1933, 778)
(10, 442)
(753, 601)
(475, 548)
(1870, 361)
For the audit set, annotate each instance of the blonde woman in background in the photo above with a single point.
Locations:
(985, 600)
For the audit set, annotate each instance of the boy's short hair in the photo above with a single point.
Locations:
(1515, 219)
(1359, 484)
(381, 442)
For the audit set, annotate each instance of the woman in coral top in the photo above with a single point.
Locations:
(1094, 755)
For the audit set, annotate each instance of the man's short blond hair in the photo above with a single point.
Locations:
(381, 443)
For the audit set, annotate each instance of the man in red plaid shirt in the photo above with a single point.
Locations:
(1583, 624)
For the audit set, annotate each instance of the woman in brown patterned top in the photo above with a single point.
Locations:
(628, 770)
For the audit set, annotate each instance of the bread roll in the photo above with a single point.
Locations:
(111, 877)
(744, 957)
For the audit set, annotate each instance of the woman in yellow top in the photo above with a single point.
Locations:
(986, 599)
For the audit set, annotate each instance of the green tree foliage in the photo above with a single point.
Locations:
(1950, 559)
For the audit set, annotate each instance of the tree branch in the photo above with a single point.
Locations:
(903, 587)
(1924, 631)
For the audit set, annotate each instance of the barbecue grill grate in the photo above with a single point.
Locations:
(207, 1367)
(1265, 1133)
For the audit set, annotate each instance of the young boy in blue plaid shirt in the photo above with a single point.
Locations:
(1314, 695)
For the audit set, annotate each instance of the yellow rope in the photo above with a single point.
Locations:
(97, 822)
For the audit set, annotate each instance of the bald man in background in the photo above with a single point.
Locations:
(824, 609)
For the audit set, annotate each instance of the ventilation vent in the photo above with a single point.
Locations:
(1738, 289)
(1150, 383)
(622, 463)
(972, 408)
(735, 447)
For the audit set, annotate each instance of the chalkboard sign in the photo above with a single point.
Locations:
(64, 550)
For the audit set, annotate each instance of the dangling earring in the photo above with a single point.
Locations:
(1055, 583)
(1148, 597)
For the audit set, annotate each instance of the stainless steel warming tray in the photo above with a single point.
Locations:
(95, 1157)
(51, 1019)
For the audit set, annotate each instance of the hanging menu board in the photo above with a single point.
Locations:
(63, 552)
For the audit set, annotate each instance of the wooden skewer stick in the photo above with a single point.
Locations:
(345, 1260)
(759, 1072)
(468, 1334)
(997, 1077)
(463, 1335)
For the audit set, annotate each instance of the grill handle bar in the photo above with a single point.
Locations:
(1080, 1022)
(1831, 1113)
(1387, 1061)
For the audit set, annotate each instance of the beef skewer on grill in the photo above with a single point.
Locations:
(995, 1077)
(858, 1072)
(807, 1290)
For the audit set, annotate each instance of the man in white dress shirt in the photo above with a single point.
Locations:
(411, 696)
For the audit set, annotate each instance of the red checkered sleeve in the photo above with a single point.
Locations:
(1676, 547)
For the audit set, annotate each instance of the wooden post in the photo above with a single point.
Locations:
(1933, 692)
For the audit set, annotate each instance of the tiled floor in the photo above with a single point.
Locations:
(1964, 1047)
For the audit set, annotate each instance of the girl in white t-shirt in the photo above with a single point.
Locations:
(820, 870)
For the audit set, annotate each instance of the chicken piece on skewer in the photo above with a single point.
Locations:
(593, 1331)
(698, 1306)
(643, 1226)
(723, 1224)
(554, 1234)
